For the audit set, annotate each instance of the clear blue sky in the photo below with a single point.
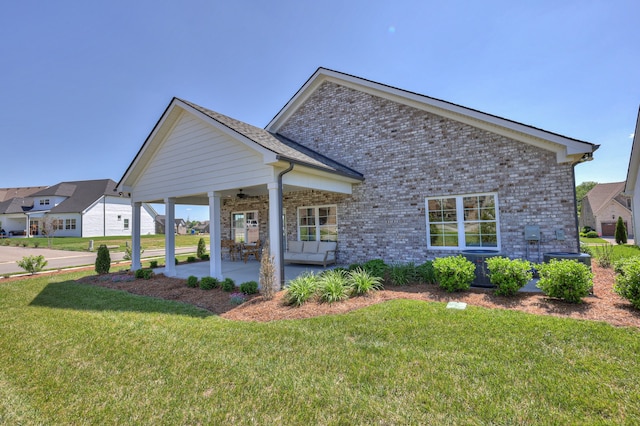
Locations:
(84, 82)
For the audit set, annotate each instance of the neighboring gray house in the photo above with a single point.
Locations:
(385, 172)
(88, 208)
(602, 206)
(180, 226)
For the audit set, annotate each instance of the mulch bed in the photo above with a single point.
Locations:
(604, 305)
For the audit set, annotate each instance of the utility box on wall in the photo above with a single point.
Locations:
(532, 233)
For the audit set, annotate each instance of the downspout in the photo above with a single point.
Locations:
(280, 223)
(583, 159)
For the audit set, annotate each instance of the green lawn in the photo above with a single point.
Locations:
(75, 354)
(82, 244)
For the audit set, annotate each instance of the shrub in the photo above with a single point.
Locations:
(402, 273)
(508, 275)
(376, 267)
(621, 232)
(191, 259)
(208, 283)
(249, 287)
(36, 244)
(586, 249)
(237, 298)
(103, 260)
(301, 289)
(354, 266)
(205, 257)
(127, 253)
(604, 255)
(268, 273)
(153, 264)
(591, 234)
(25, 243)
(32, 264)
(454, 273)
(361, 282)
(333, 286)
(228, 284)
(176, 260)
(144, 273)
(192, 281)
(565, 279)
(426, 273)
(202, 248)
(627, 283)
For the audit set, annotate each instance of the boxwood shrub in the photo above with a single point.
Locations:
(249, 287)
(454, 273)
(192, 281)
(627, 283)
(508, 275)
(565, 279)
(208, 283)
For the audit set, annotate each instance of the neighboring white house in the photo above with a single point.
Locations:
(88, 208)
(632, 187)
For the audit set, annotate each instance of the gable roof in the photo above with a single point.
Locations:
(283, 148)
(567, 149)
(80, 194)
(603, 193)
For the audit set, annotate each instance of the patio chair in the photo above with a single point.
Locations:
(230, 247)
(252, 250)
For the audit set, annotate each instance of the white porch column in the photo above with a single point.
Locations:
(274, 230)
(215, 262)
(135, 237)
(170, 237)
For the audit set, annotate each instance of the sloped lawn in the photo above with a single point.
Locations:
(78, 354)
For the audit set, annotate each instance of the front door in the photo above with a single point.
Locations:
(34, 227)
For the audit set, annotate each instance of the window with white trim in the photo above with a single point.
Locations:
(318, 223)
(70, 224)
(463, 222)
(44, 202)
(126, 223)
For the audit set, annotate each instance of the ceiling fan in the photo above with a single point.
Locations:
(241, 195)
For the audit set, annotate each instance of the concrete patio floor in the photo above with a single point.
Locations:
(239, 271)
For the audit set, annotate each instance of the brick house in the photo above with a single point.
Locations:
(601, 207)
(385, 172)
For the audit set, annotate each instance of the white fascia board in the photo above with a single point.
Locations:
(565, 148)
(304, 180)
(160, 131)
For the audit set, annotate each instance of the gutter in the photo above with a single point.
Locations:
(280, 224)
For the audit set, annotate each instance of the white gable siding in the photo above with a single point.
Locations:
(53, 201)
(197, 158)
(102, 218)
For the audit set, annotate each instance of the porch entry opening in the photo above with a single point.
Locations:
(245, 227)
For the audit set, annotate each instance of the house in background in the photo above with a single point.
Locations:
(384, 172)
(602, 206)
(89, 208)
(180, 226)
(632, 187)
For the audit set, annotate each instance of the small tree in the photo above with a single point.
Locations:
(50, 225)
(267, 273)
(202, 248)
(32, 264)
(621, 232)
(103, 260)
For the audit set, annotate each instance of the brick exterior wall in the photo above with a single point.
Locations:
(407, 155)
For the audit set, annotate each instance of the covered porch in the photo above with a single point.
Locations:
(195, 156)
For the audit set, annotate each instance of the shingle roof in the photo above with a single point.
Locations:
(81, 194)
(278, 144)
(8, 193)
(602, 193)
(16, 205)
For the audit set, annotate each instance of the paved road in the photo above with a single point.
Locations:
(58, 259)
